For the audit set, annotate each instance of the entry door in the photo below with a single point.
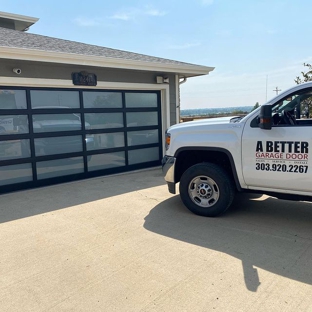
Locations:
(278, 158)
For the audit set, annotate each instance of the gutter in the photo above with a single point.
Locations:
(101, 61)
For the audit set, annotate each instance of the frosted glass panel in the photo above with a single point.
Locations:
(58, 145)
(102, 99)
(104, 120)
(13, 124)
(15, 174)
(107, 140)
(141, 100)
(143, 155)
(106, 161)
(13, 149)
(54, 99)
(56, 122)
(142, 119)
(142, 137)
(59, 167)
(13, 99)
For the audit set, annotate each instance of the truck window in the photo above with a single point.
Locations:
(298, 106)
(293, 110)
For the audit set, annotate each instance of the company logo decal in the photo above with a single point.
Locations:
(283, 156)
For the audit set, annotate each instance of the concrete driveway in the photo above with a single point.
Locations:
(123, 243)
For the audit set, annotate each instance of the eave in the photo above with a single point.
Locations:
(183, 70)
(21, 22)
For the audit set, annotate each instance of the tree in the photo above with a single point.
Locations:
(305, 107)
(306, 76)
(255, 106)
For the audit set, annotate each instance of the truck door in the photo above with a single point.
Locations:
(280, 158)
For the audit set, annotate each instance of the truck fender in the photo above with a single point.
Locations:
(224, 151)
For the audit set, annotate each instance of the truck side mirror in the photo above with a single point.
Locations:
(265, 117)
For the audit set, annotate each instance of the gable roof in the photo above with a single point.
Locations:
(26, 46)
(15, 21)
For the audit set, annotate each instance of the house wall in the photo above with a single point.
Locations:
(62, 71)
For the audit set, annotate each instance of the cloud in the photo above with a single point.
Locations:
(155, 12)
(184, 46)
(124, 16)
(134, 13)
(129, 14)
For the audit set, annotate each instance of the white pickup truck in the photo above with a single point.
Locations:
(266, 152)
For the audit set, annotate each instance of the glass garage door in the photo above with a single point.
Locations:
(50, 136)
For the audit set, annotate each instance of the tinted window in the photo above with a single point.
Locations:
(13, 124)
(13, 99)
(54, 99)
(56, 122)
(143, 155)
(141, 100)
(12, 149)
(142, 137)
(15, 174)
(142, 119)
(58, 145)
(102, 100)
(106, 161)
(59, 167)
(104, 120)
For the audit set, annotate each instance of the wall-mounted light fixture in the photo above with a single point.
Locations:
(161, 79)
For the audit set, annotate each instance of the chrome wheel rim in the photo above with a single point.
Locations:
(204, 191)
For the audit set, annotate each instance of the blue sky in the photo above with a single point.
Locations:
(254, 45)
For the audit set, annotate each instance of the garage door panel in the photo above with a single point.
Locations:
(16, 174)
(142, 137)
(54, 99)
(14, 149)
(104, 120)
(142, 119)
(143, 155)
(107, 99)
(59, 167)
(106, 161)
(58, 145)
(139, 99)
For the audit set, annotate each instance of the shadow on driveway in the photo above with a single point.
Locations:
(32, 202)
(271, 234)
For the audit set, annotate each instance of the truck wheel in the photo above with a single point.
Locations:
(206, 189)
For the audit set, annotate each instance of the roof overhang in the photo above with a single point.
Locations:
(184, 70)
(17, 22)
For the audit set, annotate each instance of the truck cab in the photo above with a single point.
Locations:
(267, 151)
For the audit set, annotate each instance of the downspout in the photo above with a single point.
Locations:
(178, 106)
(183, 81)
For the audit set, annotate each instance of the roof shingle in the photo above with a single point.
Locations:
(17, 39)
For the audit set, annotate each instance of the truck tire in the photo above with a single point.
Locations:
(206, 189)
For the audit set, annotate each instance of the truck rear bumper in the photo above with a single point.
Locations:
(168, 163)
